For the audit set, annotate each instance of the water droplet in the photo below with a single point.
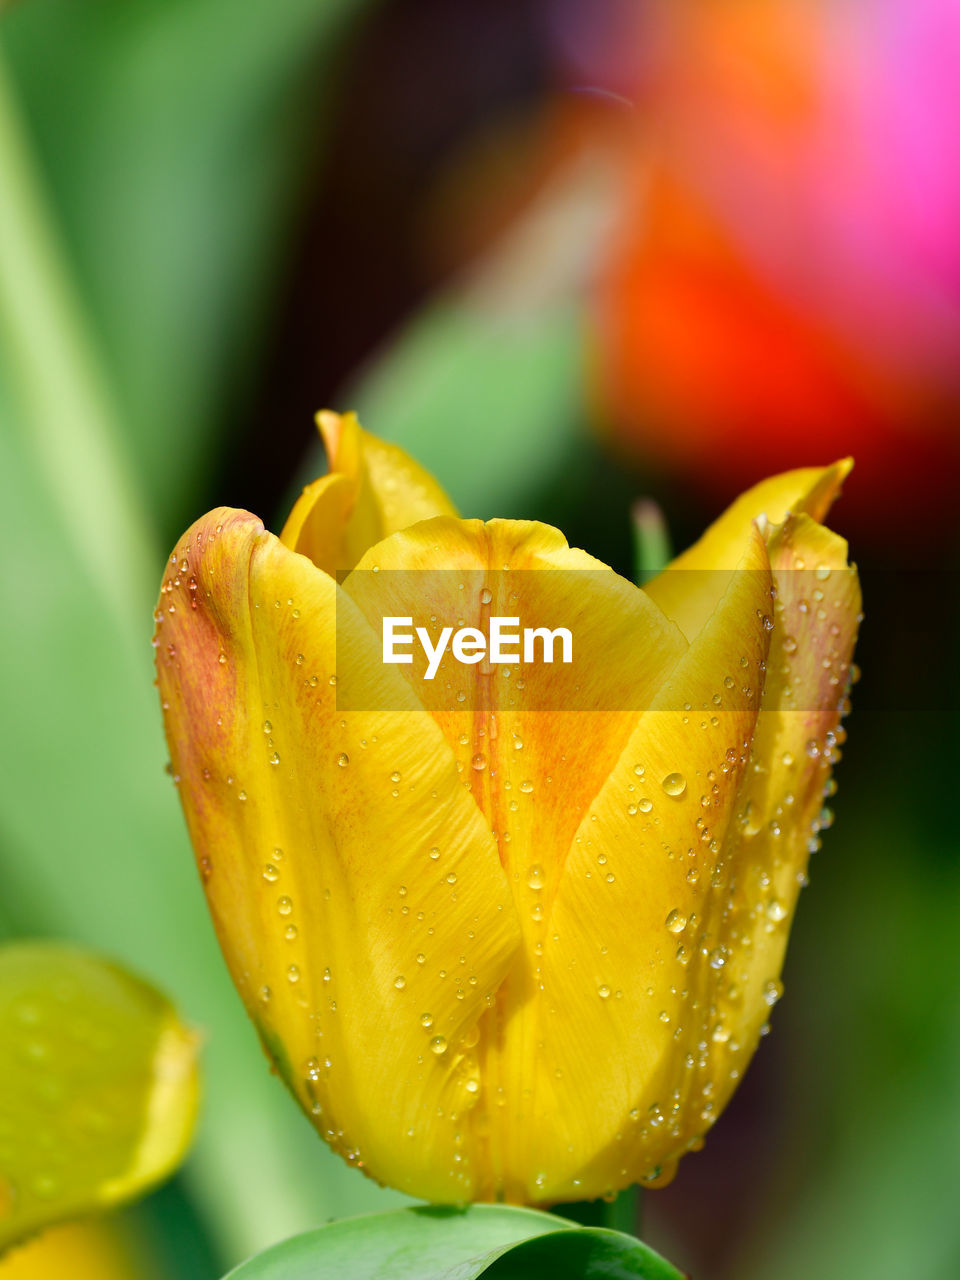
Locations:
(343, 759)
(270, 872)
(438, 1045)
(674, 784)
(434, 853)
(222, 658)
(485, 596)
(293, 974)
(603, 991)
(284, 905)
(399, 982)
(479, 762)
(452, 878)
(526, 787)
(676, 922)
(776, 911)
(426, 1019)
(536, 877)
(644, 805)
(772, 992)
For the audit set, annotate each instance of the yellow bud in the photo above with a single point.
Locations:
(499, 945)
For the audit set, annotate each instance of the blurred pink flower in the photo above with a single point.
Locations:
(784, 284)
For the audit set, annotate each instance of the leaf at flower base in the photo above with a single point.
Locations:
(457, 1244)
(584, 1253)
(98, 1086)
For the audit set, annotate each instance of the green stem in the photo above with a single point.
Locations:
(65, 411)
(621, 1214)
(651, 540)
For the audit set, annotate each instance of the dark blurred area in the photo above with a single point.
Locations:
(766, 275)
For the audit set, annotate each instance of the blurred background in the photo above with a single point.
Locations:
(568, 255)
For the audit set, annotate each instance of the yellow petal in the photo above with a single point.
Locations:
(688, 589)
(631, 943)
(535, 743)
(354, 885)
(782, 801)
(372, 489)
(517, 730)
(98, 1086)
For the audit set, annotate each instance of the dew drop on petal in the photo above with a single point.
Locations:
(772, 992)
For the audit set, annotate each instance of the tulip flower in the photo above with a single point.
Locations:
(520, 946)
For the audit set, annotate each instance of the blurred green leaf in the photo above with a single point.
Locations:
(457, 1244)
(98, 1086)
(486, 386)
(879, 1196)
(483, 402)
(176, 137)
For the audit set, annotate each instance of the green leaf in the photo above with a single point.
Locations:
(457, 1244)
(486, 387)
(171, 137)
(98, 1086)
(479, 399)
(586, 1254)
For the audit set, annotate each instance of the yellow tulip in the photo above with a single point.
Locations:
(505, 952)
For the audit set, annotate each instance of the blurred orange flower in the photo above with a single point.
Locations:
(785, 274)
